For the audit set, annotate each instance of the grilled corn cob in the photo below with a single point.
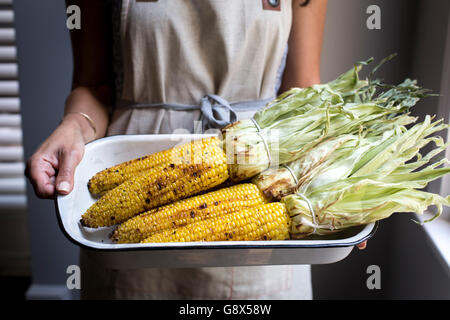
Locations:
(188, 211)
(110, 178)
(264, 222)
(155, 187)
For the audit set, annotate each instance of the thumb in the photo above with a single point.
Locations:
(68, 161)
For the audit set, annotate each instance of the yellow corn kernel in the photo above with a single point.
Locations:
(245, 225)
(184, 212)
(155, 187)
(110, 178)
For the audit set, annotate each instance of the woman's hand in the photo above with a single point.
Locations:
(362, 245)
(51, 168)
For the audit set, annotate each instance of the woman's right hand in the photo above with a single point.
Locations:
(51, 168)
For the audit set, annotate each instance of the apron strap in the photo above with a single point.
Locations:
(215, 110)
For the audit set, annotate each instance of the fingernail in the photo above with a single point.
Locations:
(64, 186)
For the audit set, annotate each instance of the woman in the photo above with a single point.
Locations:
(169, 55)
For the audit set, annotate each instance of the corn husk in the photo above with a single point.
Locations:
(298, 112)
(302, 118)
(386, 179)
(283, 180)
(249, 152)
(335, 156)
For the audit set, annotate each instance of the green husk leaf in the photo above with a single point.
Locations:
(388, 184)
(352, 203)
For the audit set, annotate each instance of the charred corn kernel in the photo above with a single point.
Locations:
(189, 153)
(155, 187)
(263, 222)
(184, 212)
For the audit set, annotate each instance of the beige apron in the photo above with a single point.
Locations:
(174, 53)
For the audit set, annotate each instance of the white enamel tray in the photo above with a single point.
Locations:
(109, 151)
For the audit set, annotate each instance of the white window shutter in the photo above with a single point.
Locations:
(12, 180)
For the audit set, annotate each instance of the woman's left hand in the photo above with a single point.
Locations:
(362, 245)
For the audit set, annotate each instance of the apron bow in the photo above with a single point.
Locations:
(215, 111)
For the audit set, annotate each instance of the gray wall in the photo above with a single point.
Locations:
(347, 38)
(416, 269)
(428, 56)
(415, 30)
(45, 71)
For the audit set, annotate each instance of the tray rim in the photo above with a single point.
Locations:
(195, 245)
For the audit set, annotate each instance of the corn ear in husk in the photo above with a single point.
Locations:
(386, 179)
